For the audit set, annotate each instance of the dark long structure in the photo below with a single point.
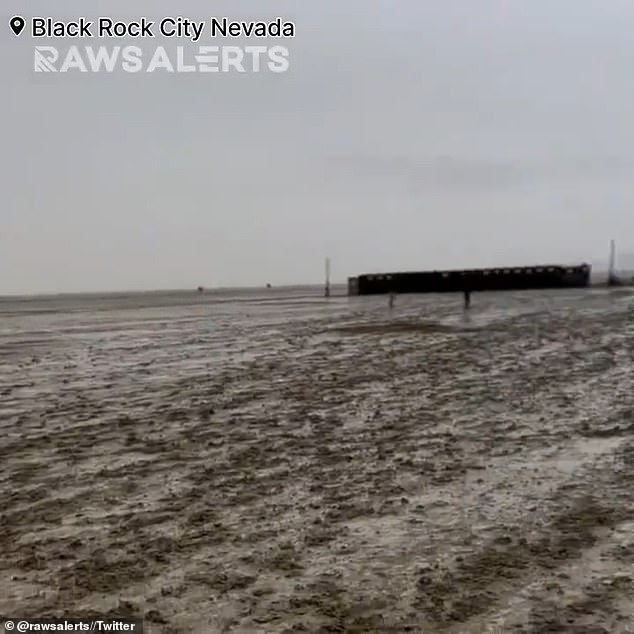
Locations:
(497, 279)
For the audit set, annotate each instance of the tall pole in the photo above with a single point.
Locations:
(611, 275)
(327, 288)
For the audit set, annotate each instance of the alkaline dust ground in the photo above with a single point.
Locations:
(237, 465)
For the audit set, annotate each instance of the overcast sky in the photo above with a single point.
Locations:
(406, 135)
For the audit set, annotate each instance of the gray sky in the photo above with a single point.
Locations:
(406, 135)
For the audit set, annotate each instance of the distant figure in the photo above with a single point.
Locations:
(200, 289)
(467, 299)
(268, 286)
(391, 301)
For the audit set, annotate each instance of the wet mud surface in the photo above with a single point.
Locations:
(309, 466)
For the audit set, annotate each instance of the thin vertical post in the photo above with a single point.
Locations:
(611, 273)
(327, 288)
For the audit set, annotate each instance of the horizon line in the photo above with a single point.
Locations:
(193, 290)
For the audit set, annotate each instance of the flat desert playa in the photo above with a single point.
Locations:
(278, 462)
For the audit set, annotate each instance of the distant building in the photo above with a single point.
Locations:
(495, 279)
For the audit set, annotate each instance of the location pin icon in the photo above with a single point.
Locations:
(17, 24)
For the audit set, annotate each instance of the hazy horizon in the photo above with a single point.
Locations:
(598, 276)
(431, 136)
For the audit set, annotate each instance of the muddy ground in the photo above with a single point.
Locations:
(219, 464)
